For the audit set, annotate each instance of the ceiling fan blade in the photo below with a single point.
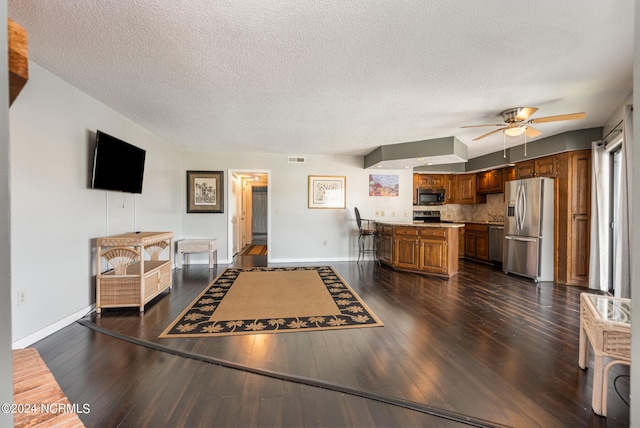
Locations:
(488, 124)
(532, 132)
(487, 134)
(571, 116)
(525, 112)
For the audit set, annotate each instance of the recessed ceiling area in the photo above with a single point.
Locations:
(335, 77)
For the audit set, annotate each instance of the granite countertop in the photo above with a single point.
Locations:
(421, 224)
(490, 223)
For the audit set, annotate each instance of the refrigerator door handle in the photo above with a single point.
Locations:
(519, 208)
(520, 238)
(523, 211)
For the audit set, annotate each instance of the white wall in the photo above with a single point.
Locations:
(6, 377)
(298, 233)
(55, 216)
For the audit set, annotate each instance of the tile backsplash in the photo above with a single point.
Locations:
(495, 206)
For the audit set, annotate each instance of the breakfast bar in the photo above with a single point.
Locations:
(429, 248)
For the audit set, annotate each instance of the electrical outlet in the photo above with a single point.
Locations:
(393, 213)
(22, 297)
(406, 213)
(377, 213)
(324, 243)
(382, 213)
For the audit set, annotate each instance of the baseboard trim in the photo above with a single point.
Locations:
(50, 329)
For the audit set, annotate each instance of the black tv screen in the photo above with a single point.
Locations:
(117, 165)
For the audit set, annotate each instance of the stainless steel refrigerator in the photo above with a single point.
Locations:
(528, 242)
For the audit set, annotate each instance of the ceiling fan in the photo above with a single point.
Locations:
(516, 123)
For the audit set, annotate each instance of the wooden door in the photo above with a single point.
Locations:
(467, 188)
(526, 169)
(546, 166)
(496, 184)
(580, 200)
(433, 255)
(483, 182)
(469, 243)
(482, 245)
(406, 253)
(450, 192)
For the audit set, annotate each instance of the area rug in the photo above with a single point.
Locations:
(255, 250)
(273, 300)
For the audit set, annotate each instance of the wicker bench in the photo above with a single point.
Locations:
(188, 246)
(132, 279)
(605, 323)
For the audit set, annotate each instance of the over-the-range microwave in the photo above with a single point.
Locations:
(430, 197)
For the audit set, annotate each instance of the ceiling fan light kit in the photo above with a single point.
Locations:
(516, 123)
(515, 131)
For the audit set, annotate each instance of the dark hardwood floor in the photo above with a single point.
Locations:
(495, 348)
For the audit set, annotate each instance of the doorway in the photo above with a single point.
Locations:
(249, 219)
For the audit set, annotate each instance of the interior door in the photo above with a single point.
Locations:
(259, 211)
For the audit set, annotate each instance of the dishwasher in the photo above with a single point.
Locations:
(496, 242)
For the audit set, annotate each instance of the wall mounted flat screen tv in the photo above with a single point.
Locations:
(117, 165)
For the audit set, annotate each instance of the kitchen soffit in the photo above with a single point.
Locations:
(439, 151)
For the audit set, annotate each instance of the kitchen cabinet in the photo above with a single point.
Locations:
(433, 250)
(546, 166)
(476, 241)
(385, 243)
(430, 181)
(509, 173)
(420, 248)
(467, 190)
(450, 189)
(578, 218)
(405, 248)
(490, 181)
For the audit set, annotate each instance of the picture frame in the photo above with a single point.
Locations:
(384, 185)
(205, 191)
(327, 191)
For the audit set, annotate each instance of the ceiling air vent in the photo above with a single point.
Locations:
(296, 159)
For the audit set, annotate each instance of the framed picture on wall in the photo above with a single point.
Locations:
(384, 185)
(326, 191)
(205, 191)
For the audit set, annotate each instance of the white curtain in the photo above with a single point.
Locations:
(621, 276)
(599, 265)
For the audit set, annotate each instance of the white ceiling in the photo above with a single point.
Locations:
(336, 76)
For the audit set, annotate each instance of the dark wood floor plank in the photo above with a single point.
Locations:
(483, 344)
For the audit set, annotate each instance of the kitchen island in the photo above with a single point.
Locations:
(430, 248)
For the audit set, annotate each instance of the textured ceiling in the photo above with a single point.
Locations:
(336, 76)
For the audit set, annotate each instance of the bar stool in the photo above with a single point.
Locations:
(364, 234)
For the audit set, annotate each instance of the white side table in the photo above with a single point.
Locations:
(188, 246)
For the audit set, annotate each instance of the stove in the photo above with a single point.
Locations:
(427, 216)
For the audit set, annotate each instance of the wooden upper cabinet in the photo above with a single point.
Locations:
(509, 173)
(450, 189)
(467, 190)
(526, 169)
(490, 181)
(546, 166)
(430, 181)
